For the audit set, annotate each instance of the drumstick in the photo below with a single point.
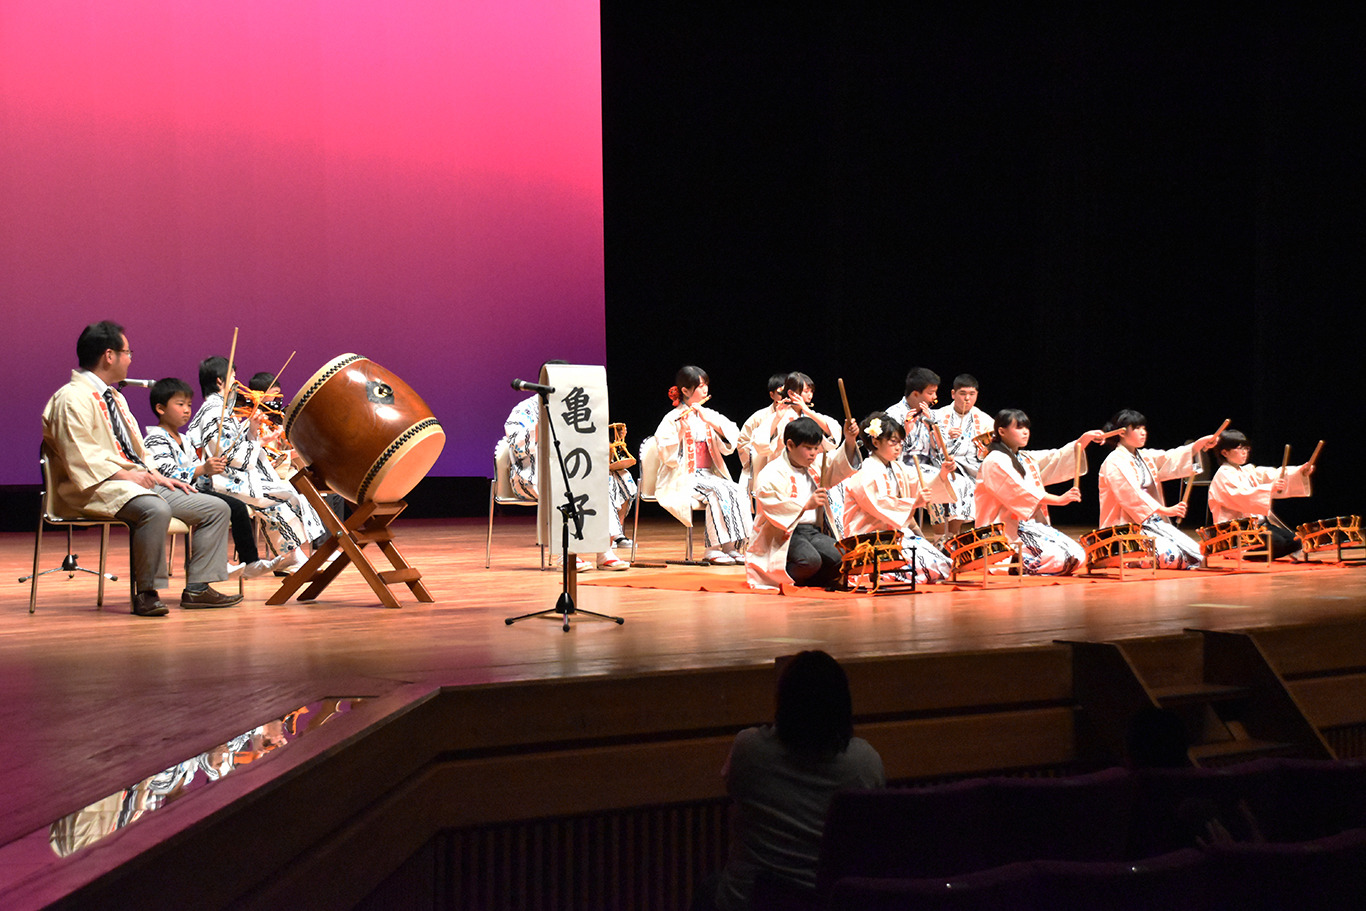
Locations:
(1113, 433)
(920, 475)
(1076, 470)
(282, 369)
(1220, 432)
(848, 415)
(1185, 498)
(1315, 457)
(223, 415)
(1285, 460)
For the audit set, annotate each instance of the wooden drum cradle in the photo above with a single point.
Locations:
(870, 554)
(1340, 532)
(1234, 541)
(365, 434)
(978, 548)
(1121, 547)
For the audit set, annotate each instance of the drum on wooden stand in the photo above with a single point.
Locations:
(362, 431)
(1326, 534)
(1119, 546)
(1236, 539)
(870, 554)
(978, 548)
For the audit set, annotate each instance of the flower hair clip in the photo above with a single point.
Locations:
(673, 395)
(874, 429)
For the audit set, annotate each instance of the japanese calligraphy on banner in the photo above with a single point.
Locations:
(578, 410)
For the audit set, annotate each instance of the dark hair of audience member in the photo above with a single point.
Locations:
(815, 713)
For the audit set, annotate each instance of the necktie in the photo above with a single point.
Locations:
(120, 432)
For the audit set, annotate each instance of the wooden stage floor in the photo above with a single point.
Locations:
(91, 701)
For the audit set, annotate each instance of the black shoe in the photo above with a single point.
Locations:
(148, 604)
(207, 598)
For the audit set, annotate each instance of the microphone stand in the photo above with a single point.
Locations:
(570, 511)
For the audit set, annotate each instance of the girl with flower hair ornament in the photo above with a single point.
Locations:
(693, 441)
(1010, 491)
(884, 495)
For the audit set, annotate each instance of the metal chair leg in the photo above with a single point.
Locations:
(33, 580)
(488, 541)
(104, 554)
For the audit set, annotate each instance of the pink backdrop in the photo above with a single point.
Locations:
(417, 181)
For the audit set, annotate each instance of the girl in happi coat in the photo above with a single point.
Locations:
(1010, 491)
(693, 441)
(1239, 490)
(884, 494)
(1131, 488)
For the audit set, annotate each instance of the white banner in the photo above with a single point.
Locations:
(578, 411)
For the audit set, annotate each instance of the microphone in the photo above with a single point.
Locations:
(145, 384)
(531, 387)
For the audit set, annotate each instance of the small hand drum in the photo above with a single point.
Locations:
(1233, 538)
(1118, 545)
(619, 457)
(978, 548)
(1340, 531)
(871, 554)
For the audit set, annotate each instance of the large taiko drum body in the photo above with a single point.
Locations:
(363, 431)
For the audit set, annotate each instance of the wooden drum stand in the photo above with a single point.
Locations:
(369, 524)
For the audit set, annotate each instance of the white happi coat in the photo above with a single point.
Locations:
(744, 444)
(1239, 491)
(249, 475)
(767, 439)
(1122, 496)
(780, 495)
(961, 447)
(1005, 497)
(77, 429)
(674, 484)
(873, 501)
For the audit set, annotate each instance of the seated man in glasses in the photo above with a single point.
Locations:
(101, 469)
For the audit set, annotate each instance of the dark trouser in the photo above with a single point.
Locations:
(812, 557)
(243, 531)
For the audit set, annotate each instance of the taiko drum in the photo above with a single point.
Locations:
(363, 431)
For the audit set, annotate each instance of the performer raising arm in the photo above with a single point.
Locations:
(1131, 488)
(1010, 490)
(1239, 490)
(790, 496)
